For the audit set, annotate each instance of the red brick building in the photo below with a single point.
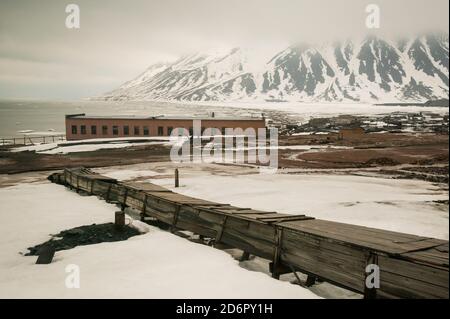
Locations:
(81, 126)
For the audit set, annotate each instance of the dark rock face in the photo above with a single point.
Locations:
(302, 68)
(427, 62)
(343, 54)
(378, 57)
(415, 91)
(409, 70)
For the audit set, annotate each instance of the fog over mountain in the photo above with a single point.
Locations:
(369, 70)
(41, 58)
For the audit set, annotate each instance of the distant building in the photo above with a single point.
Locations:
(345, 120)
(319, 123)
(351, 132)
(81, 126)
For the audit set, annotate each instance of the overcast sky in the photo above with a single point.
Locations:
(41, 58)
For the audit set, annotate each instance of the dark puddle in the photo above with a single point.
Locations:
(84, 235)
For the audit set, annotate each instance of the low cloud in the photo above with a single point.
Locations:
(117, 40)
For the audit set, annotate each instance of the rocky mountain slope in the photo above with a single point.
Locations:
(372, 70)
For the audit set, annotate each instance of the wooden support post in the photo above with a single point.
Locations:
(125, 196)
(370, 293)
(177, 182)
(108, 193)
(220, 232)
(245, 256)
(92, 187)
(173, 227)
(281, 269)
(78, 183)
(310, 280)
(46, 254)
(295, 274)
(119, 221)
(144, 208)
(277, 253)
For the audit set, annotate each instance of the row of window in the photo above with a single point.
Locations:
(126, 130)
(115, 130)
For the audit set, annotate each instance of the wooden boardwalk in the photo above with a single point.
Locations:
(410, 266)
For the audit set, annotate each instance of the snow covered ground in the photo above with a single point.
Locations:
(310, 110)
(397, 205)
(32, 133)
(161, 265)
(88, 145)
(114, 143)
(154, 265)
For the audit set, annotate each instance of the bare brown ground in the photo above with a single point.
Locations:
(12, 163)
(369, 150)
(368, 140)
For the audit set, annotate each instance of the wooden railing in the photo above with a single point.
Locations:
(31, 140)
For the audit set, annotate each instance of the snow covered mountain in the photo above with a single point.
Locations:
(370, 70)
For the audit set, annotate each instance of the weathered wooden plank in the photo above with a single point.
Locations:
(259, 230)
(202, 218)
(406, 287)
(350, 280)
(281, 219)
(432, 275)
(145, 187)
(351, 236)
(182, 199)
(434, 256)
(363, 231)
(166, 217)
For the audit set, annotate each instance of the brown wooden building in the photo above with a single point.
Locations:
(81, 126)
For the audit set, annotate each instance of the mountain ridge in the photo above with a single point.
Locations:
(372, 70)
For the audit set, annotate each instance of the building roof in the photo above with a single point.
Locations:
(163, 117)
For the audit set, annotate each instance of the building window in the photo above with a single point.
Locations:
(115, 130)
(160, 131)
(94, 130)
(126, 130)
(223, 130)
(74, 129)
(105, 130)
(146, 131)
(83, 129)
(169, 130)
(136, 130)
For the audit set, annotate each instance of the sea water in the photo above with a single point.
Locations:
(19, 117)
